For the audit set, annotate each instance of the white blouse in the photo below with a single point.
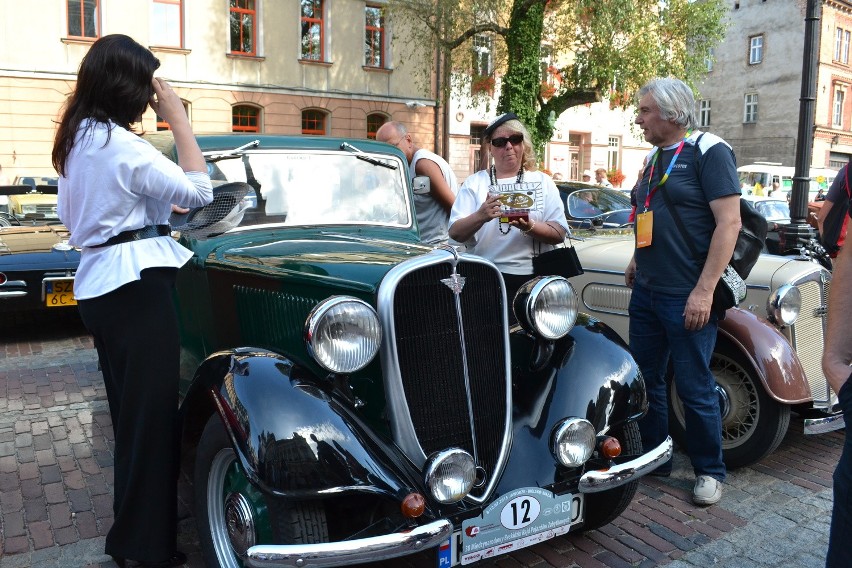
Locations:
(118, 184)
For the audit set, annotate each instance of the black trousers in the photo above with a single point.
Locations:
(136, 336)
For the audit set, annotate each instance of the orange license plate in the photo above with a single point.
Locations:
(59, 293)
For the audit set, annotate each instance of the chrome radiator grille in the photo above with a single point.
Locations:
(807, 336)
(448, 383)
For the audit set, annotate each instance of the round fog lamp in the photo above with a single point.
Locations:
(573, 442)
(450, 475)
(785, 304)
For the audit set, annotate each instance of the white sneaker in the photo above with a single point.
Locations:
(707, 490)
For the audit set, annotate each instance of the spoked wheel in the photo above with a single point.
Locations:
(233, 515)
(753, 423)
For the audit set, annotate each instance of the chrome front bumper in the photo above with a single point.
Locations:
(828, 423)
(603, 480)
(347, 552)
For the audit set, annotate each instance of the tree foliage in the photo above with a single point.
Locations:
(599, 49)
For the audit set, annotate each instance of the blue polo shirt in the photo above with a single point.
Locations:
(700, 175)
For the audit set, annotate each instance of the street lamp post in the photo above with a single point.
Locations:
(798, 229)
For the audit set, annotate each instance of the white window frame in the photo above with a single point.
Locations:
(750, 108)
(845, 50)
(613, 152)
(163, 26)
(483, 52)
(704, 113)
(837, 106)
(755, 51)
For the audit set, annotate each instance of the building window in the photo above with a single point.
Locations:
(477, 133)
(750, 111)
(312, 32)
(483, 63)
(374, 37)
(83, 16)
(374, 122)
(837, 113)
(612, 153)
(243, 29)
(704, 112)
(841, 45)
(245, 118)
(755, 52)
(161, 122)
(313, 122)
(711, 57)
(167, 23)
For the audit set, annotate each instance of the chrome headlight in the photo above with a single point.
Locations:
(784, 305)
(450, 475)
(28, 209)
(547, 306)
(343, 334)
(573, 442)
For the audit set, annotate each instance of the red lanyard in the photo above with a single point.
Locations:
(665, 175)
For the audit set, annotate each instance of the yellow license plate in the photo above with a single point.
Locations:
(59, 293)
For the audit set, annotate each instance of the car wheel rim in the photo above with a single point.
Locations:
(734, 385)
(738, 401)
(221, 504)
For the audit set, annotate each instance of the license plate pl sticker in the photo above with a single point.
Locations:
(516, 520)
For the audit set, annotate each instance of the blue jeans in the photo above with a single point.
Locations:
(839, 550)
(658, 332)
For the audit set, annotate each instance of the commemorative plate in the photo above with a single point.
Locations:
(518, 519)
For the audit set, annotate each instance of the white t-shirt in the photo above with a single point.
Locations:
(431, 215)
(511, 252)
(119, 185)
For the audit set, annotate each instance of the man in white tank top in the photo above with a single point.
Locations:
(432, 209)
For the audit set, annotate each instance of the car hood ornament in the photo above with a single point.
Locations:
(454, 282)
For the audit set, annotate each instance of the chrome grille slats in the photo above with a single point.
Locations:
(447, 387)
(426, 331)
(807, 335)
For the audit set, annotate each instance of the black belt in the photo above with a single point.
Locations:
(146, 232)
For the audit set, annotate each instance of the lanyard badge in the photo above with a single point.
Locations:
(645, 219)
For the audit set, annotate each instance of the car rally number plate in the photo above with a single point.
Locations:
(520, 518)
(58, 292)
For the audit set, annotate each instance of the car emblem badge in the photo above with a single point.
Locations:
(454, 282)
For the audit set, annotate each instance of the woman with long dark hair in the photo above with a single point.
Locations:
(115, 195)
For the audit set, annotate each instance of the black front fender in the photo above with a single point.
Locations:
(588, 374)
(294, 438)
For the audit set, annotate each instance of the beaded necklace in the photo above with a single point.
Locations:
(493, 175)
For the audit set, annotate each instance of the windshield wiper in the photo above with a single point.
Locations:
(230, 154)
(366, 157)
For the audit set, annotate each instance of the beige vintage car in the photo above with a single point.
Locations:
(768, 352)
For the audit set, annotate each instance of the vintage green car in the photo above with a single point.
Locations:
(352, 395)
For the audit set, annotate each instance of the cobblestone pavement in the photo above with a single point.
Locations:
(56, 479)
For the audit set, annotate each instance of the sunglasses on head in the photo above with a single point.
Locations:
(515, 139)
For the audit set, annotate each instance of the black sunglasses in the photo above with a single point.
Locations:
(515, 139)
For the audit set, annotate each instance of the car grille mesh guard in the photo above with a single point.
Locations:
(808, 337)
(432, 359)
(275, 318)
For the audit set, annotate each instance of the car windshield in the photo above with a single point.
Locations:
(316, 188)
(773, 210)
(588, 203)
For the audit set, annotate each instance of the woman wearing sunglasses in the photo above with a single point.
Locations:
(509, 212)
